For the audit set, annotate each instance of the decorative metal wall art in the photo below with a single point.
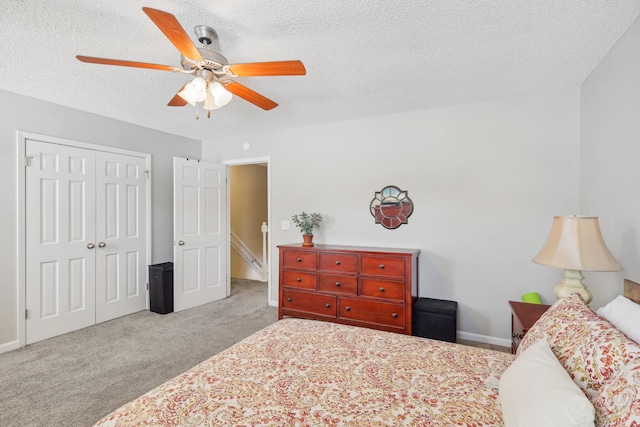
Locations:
(391, 207)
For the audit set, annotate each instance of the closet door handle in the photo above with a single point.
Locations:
(102, 244)
(91, 246)
(181, 242)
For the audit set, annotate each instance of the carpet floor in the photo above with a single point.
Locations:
(77, 378)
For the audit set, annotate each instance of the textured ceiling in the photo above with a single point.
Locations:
(363, 57)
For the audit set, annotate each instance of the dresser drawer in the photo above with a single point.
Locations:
(383, 266)
(299, 279)
(381, 313)
(299, 259)
(309, 302)
(334, 261)
(379, 288)
(338, 284)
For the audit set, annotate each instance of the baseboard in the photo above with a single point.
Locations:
(8, 346)
(484, 339)
(273, 303)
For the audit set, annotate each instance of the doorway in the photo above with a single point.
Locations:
(249, 210)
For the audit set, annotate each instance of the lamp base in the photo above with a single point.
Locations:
(572, 283)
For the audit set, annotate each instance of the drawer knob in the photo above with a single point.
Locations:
(381, 289)
(381, 266)
(394, 315)
(338, 262)
(289, 299)
(327, 305)
(299, 259)
(347, 308)
(298, 279)
(338, 284)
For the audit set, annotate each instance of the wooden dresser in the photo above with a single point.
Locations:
(370, 287)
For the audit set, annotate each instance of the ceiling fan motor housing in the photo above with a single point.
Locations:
(212, 59)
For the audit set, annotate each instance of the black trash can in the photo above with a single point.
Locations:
(161, 288)
(436, 319)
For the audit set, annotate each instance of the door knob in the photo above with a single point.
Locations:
(102, 244)
(181, 242)
(91, 246)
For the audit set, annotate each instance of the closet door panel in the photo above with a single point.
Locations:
(120, 235)
(60, 260)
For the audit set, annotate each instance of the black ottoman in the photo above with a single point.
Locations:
(435, 318)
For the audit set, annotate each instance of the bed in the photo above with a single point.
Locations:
(299, 372)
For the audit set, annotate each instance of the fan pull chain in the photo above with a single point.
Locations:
(197, 110)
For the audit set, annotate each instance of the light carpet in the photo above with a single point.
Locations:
(77, 378)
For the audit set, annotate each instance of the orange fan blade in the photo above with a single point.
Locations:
(177, 100)
(106, 61)
(280, 68)
(249, 95)
(171, 28)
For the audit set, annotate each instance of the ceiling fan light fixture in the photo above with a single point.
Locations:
(221, 96)
(195, 91)
(210, 103)
(186, 95)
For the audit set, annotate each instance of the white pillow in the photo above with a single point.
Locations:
(535, 391)
(624, 314)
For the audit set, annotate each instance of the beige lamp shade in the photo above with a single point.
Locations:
(575, 243)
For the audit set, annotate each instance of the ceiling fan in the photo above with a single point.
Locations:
(212, 85)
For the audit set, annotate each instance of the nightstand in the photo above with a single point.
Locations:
(523, 316)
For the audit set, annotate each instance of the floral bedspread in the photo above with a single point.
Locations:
(300, 372)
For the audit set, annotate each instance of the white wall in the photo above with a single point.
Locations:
(30, 115)
(610, 139)
(485, 179)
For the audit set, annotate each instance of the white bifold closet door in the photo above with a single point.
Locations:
(85, 238)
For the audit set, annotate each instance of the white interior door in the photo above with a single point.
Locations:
(60, 232)
(200, 235)
(120, 235)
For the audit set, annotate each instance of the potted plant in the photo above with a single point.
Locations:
(305, 222)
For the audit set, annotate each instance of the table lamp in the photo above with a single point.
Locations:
(575, 244)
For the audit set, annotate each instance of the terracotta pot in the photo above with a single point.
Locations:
(307, 240)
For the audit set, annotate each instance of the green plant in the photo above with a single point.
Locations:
(305, 222)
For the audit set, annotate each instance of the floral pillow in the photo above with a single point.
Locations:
(618, 401)
(590, 349)
(564, 312)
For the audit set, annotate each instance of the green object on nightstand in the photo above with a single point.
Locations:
(531, 298)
